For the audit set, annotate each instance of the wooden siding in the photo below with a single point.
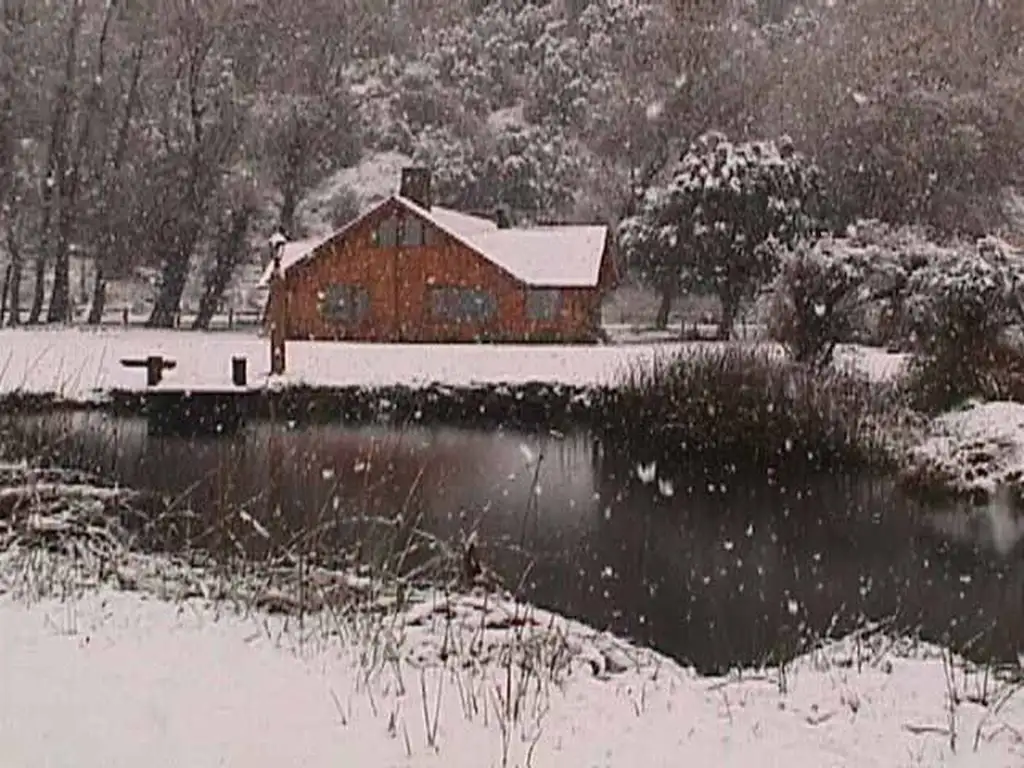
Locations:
(398, 281)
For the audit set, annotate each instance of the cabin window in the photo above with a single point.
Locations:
(386, 233)
(344, 304)
(431, 236)
(412, 232)
(462, 305)
(543, 303)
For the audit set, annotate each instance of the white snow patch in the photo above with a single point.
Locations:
(508, 117)
(81, 365)
(872, 362)
(117, 680)
(292, 252)
(567, 257)
(979, 449)
(376, 177)
(464, 225)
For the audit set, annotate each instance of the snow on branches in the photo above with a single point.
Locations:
(724, 217)
(960, 306)
(968, 293)
(818, 288)
(533, 169)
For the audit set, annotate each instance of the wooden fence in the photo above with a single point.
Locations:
(228, 320)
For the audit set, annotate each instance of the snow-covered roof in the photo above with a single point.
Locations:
(562, 257)
(545, 257)
(466, 225)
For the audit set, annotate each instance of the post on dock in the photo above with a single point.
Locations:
(239, 376)
(154, 370)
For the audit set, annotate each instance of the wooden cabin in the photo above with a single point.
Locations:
(408, 271)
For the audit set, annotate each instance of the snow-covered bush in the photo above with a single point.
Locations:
(652, 251)
(725, 216)
(561, 82)
(818, 290)
(904, 250)
(960, 305)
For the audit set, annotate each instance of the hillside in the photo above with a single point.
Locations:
(561, 110)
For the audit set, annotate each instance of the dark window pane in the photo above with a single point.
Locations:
(462, 305)
(387, 232)
(543, 303)
(344, 304)
(412, 232)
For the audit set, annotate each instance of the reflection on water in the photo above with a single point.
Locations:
(716, 576)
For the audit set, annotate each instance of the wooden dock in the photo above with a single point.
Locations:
(183, 409)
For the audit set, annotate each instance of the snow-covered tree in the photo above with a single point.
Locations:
(653, 252)
(725, 216)
(532, 169)
(819, 289)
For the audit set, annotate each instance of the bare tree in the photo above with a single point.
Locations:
(80, 162)
(106, 186)
(18, 206)
(230, 249)
(306, 125)
(208, 126)
(17, 214)
(58, 154)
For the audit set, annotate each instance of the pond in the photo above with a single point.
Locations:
(714, 575)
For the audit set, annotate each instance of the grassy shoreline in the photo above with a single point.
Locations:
(414, 668)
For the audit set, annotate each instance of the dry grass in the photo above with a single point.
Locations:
(747, 408)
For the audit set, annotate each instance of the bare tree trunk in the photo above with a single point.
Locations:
(57, 161)
(668, 296)
(108, 239)
(99, 294)
(289, 208)
(230, 252)
(730, 311)
(38, 289)
(174, 273)
(14, 284)
(59, 310)
(4, 287)
(70, 181)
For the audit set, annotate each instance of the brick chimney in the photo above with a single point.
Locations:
(503, 216)
(416, 184)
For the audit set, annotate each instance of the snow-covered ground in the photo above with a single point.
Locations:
(977, 450)
(116, 679)
(80, 364)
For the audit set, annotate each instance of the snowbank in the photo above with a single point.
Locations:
(118, 680)
(81, 365)
(974, 452)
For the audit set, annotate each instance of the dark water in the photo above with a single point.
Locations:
(716, 576)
